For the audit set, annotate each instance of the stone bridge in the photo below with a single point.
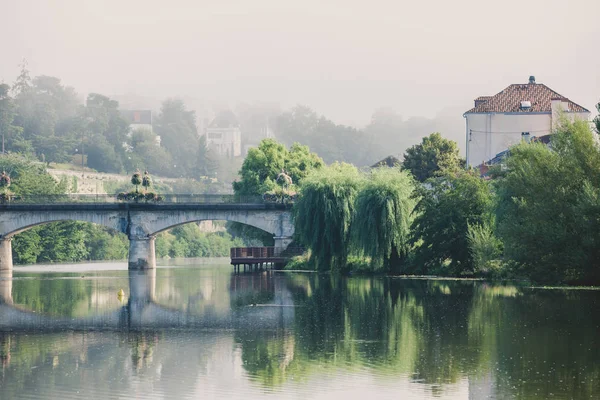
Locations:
(142, 221)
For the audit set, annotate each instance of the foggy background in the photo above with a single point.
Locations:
(342, 58)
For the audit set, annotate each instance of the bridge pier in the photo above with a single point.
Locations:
(281, 243)
(6, 261)
(6, 284)
(141, 253)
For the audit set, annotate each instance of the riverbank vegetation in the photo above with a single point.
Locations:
(537, 218)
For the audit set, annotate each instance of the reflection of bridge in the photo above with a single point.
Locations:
(143, 312)
(142, 221)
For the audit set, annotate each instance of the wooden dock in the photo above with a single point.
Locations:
(259, 258)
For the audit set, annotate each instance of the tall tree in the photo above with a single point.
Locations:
(597, 119)
(384, 213)
(9, 133)
(263, 164)
(446, 208)
(549, 207)
(324, 214)
(207, 164)
(431, 156)
(23, 82)
(176, 126)
(45, 109)
(259, 174)
(333, 142)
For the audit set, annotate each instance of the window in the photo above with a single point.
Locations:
(215, 135)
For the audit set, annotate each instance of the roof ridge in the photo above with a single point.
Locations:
(509, 100)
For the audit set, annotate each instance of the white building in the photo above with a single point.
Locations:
(519, 112)
(223, 135)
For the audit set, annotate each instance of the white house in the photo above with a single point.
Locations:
(519, 112)
(223, 135)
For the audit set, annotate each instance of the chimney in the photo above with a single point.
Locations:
(532, 79)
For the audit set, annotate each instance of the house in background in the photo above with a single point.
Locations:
(223, 135)
(519, 112)
(139, 120)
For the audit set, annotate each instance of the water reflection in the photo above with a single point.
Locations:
(204, 331)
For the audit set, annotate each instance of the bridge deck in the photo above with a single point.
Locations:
(110, 202)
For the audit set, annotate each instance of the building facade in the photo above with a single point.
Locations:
(223, 135)
(519, 112)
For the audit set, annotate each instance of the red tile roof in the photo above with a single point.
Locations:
(509, 100)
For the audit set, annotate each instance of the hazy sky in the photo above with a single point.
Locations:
(344, 58)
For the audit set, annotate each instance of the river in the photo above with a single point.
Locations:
(198, 330)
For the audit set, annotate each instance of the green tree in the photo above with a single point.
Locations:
(29, 178)
(324, 213)
(549, 207)
(447, 206)
(260, 168)
(207, 164)
(432, 155)
(147, 154)
(259, 174)
(101, 155)
(176, 126)
(263, 164)
(383, 218)
(45, 110)
(334, 142)
(10, 134)
(597, 119)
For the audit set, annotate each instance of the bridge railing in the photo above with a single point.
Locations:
(110, 198)
(264, 252)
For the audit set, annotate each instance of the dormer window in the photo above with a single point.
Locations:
(525, 105)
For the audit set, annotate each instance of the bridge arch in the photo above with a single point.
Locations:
(278, 223)
(16, 222)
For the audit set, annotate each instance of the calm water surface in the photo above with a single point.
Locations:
(201, 331)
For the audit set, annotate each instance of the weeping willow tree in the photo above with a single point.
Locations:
(324, 212)
(381, 226)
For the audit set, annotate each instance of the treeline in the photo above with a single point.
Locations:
(42, 118)
(535, 217)
(387, 133)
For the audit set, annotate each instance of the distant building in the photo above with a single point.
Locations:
(139, 120)
(519, 112)
(223, 135)
(389, 161)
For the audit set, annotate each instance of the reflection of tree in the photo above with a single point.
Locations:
(51, 296)
(412, 328)
(75, 297)
(548, 344)
(435, 332)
